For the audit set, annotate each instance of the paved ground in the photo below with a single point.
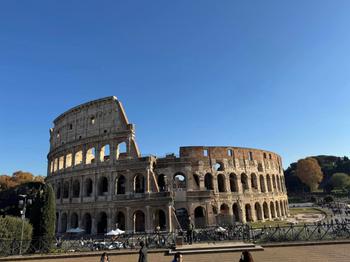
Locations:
(315, 253)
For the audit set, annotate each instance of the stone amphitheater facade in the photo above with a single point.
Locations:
(101, 181)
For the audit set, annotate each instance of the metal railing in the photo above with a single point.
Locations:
(239, 232)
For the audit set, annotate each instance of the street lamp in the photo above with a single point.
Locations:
(23, 202)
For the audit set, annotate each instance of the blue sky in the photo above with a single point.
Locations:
(265, 74)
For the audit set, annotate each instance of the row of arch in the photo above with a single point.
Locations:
(89, 156)
(99, 224)
(179, 182)
(263, 183)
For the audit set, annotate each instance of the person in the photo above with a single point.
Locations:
(104, 257)
(246, 257)
(178, 257)
(143, 252)
(190, 229)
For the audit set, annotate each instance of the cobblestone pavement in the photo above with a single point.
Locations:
(315, 253)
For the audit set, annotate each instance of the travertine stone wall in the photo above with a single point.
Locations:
(102, 182)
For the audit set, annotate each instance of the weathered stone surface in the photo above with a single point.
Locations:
(100, 178)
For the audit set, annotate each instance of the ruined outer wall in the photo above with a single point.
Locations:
(98, 182)
(230, 183)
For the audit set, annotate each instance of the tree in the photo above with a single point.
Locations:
(340, 180)
(43, 218)
(309, 172)
(22, 177)
(6, 182)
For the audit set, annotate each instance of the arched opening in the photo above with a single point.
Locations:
(262, 184)
(139, 221)
(179, 181)
(58, 191)
(139, 184)
(235, 209)
(159, 219)
(121, 151)
(224, 209)
(268, 180)
(258, 211)
(218, 166)
(221, 183)
(277, 209)
(104, 153)
(88, 187)
(224, 217)
(196, 181)
(282, 209)
(161, 183)
(244, 181)
(254, 181)
(120, 185)
(266, 211)
(248, 213)
(274, 182)
(102, 223)
(68, 160)
(76, 188)
(278, 183)
(208, 181)
(272, 210)
(61, 162)
(66, 189)
(90, 156)
(199, 217)
(233, 183)
(103, 186)
(78, 158)
(182, 217)
(74, 220)
(87, 223)
(120, 220)
(64, 223)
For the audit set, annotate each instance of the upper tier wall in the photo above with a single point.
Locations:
(223, 152)
(98, 117)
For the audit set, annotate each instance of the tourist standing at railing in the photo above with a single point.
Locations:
(142, 252)
(190, 229)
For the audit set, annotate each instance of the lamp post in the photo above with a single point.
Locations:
(23, 202)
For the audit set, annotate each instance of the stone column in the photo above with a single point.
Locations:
(239, 184)
(93, 223)
(97, 153)
(81, 188)
(169, 220)
(148, 220)
(242, 215)
(128, 221)
(59, 223)
(95, 184)
(148, 182)
(110, 225)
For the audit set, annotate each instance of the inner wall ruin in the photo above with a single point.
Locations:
(101, 181)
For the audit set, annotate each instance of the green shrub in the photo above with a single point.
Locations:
(10, 234)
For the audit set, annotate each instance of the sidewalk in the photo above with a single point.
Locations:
(310, 253)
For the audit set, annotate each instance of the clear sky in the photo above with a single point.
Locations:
(273, 75)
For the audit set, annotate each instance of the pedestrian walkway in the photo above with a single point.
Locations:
(311, 253)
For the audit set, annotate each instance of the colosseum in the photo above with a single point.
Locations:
(101, 181)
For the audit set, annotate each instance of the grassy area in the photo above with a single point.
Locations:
(293, 212)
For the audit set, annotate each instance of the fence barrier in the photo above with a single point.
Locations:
(239, 232)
